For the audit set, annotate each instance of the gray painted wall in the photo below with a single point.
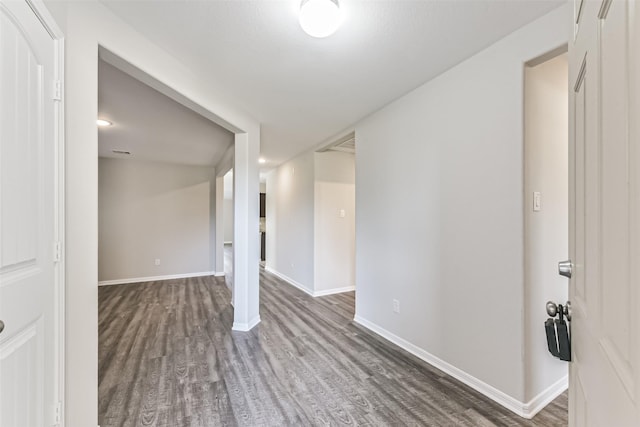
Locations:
(289, 222)
(151, 211)
(307, 241)
(439, 220)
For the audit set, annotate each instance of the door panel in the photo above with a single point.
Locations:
(581, 108)
(603, 218)
(615, 185)
(581, 404)
(21, 87)
(23, 377)
(27, 138)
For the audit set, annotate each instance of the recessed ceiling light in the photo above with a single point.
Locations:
(262, 161)
(320, 18)
(103, 123)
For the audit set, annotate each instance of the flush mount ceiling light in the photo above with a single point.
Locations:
(103, 123)
(320, 18)
(262, 161)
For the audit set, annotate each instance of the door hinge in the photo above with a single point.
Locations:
(57, 252)
(57, 414)
(57, 90)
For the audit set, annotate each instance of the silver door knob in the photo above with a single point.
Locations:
(552, 308)
(1, 326)
(565, 268)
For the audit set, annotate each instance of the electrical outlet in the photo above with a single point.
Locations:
(396, 306)
(342, 213)
(157, 261)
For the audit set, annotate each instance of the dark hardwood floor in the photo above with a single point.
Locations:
(168, 357)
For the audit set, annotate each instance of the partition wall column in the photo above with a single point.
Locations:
(246, 249)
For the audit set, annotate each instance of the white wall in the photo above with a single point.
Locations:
(271, 228)
(290, 220)
(439, 215)
(307, 242)
(86, 26)
(228, 220)
(228, 207)
(334, 237)
(546, 231)
(151, 211)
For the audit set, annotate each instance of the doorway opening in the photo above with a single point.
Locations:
(546, 218)
(157, 200)
(334, 217)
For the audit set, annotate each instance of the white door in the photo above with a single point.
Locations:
(605, 214)
(27, 137)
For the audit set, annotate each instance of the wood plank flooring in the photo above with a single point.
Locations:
(168, 357)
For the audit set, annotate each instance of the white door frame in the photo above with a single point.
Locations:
(40, 10)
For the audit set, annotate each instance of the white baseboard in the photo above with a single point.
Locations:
(525, 410)
(289, 280)
(307, 290)
(155, 278)
(244, 327)
(334, 291)
(547, 396)
(218, 273)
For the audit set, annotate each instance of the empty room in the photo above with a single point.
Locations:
(319, 212)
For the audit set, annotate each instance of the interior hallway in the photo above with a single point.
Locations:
(168, 357)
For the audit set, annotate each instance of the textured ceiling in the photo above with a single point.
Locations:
(152, 126)
(304, 90)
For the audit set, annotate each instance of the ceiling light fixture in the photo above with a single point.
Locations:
(103, 123)
(320, 18)
(262, 161)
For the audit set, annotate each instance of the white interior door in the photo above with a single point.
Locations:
(605, 214)
(27, 137)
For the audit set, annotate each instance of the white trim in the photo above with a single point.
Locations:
(228, 243)
(60, 233)
(156, 278)
(334, 291)
(59, 269)
(289, 280)
(244, 327)
(219, 273)
(40, 9)
(306, 290)
(545, 397)
(525, 410)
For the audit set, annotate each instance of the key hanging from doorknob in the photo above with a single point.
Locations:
(557, 330)
(552, 309)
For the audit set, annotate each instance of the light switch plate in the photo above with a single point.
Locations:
(537, 201)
